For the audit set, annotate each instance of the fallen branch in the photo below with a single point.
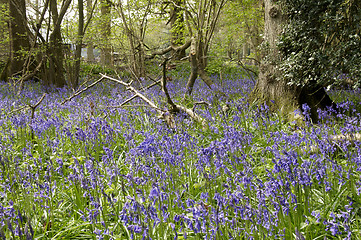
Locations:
(346, 137)
(193, 115)
(78, 92)
(135, 96)
(129, 87)
(167, 115)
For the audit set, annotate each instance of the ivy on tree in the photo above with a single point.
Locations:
(321, 42)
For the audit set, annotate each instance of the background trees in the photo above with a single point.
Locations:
(114, 26)
(304, 53)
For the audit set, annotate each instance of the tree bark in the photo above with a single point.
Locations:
(90, 45)
(105, 55)
(177, 28)
(198, 64)
(79, 44)
(19, 39)
(194, 68)
(207, 17)
(270, 88)
(55, 73)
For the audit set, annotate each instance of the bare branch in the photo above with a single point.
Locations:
(136, 105)
(171, 48)
(27, 76)
(193, 115)
(81, 91)
(135, 96)
(144, 98)
(162, 113)
(33, 107)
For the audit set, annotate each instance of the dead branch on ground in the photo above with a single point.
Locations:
(166, 114)
(78, 92)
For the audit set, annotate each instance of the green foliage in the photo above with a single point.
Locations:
(95, 69)
(242, 23)
(218, 66)
(322, 42)
(215, 66)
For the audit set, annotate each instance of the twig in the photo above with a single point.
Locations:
(135, 96)
(170, 48)
(27, 76)
(151, 85)
(18, 109)
(33, 107)
(193, 115)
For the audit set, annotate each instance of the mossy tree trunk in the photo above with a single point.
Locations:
(79, 45)
(177, 24)
(270, 88)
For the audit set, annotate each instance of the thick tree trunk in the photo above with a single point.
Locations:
(55, 51)
(270, 87)
(19, 39)
(194, 68)
(56, 61)
(198, 65)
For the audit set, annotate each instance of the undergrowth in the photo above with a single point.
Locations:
(89, 170)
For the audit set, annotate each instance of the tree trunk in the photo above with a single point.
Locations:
(194, 68)
(198, 65)
(90, 45)
(19, 39)
(55, 73)
(270, 88)
(79, 44)
(177, 28)
(105, 55)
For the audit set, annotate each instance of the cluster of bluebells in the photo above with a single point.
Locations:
(85, 169)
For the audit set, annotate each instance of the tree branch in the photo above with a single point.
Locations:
(80, 91)
(171, 48)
